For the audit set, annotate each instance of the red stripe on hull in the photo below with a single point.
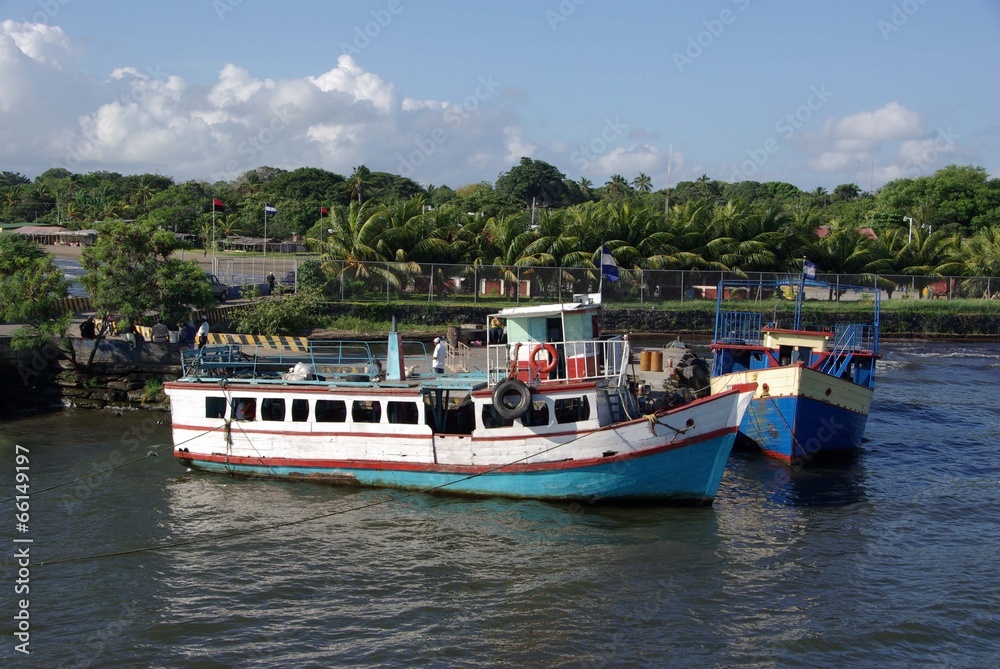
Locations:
(430, 467)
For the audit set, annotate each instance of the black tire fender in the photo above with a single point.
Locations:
(511, 398)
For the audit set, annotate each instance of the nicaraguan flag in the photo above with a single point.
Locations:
(809, 269)
(270, 209)
(609, 267)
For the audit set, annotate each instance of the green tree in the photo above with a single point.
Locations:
(533, 180)
(643, 183)
(30, 287)
(359, 181)
(130, 272)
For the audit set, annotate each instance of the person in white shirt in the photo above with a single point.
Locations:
(440, 355)
(203, 332)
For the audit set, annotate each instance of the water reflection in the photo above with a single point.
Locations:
(830, 486)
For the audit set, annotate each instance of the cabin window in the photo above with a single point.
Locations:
(215, 407)
(365, 411)
(537, 414)
(402, 412)
(244, 408)
(461, 419)
(784, 355)
(331, 411)
(492, 419)
(300, 410)
(572, 410)
(805, 354)
(272, 408)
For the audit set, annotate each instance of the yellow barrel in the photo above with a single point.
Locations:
(644, 357)
(656, 361)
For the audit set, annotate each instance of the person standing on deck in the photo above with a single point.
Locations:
(203, 332)
(439, 356)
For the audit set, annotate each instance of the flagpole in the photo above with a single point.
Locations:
(213, 235)
(600, 265)
(265, 240)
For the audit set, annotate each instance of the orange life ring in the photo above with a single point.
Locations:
(547, 367)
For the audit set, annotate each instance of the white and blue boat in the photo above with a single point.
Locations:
(552, 415)
(815, 382)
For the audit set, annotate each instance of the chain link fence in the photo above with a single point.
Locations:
(387, 281)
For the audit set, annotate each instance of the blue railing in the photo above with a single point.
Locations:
(738, 327)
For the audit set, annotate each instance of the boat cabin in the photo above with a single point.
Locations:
(554, 342)
(844, 352)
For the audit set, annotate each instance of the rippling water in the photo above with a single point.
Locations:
(888, 562)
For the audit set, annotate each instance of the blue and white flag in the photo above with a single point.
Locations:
(809, 269)
(270, 209)
(609, 267)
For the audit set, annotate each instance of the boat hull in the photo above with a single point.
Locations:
(800, 415)
(678, 457)
(686, 475)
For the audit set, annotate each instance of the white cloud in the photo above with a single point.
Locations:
(629, 161)
(877, 146)
(349, 78)
(54, 115)
(893, 121)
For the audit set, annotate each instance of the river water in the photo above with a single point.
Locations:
(887, 562)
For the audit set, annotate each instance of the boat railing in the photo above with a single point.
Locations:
(738, 327)
(581, 360)
(848, 340)
(853, 337)
(459, 358)
(318, 362)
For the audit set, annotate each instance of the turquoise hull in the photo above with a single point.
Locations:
(688, 473)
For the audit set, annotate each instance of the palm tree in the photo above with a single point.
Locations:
(617, 186)
(360, 179)
(703, 181)
(142, 193)
(981, 255)
(819, 193)
(585, 186)
(643, 183)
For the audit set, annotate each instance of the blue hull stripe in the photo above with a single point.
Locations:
(819, 429)
(690, 474)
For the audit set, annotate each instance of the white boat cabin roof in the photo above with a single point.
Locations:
(582, 304)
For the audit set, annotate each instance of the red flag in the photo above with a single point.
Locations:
(323, 211)
(217, 205)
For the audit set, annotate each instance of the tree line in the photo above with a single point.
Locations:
(947, 223)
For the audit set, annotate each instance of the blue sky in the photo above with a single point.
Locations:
(451, 92)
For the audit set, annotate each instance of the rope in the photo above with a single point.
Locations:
(268, 528)
(790, 430)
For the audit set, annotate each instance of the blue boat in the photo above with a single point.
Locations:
(549, 413)
(815, 382)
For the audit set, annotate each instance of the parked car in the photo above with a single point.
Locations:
(288, 282)
(219, 290)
